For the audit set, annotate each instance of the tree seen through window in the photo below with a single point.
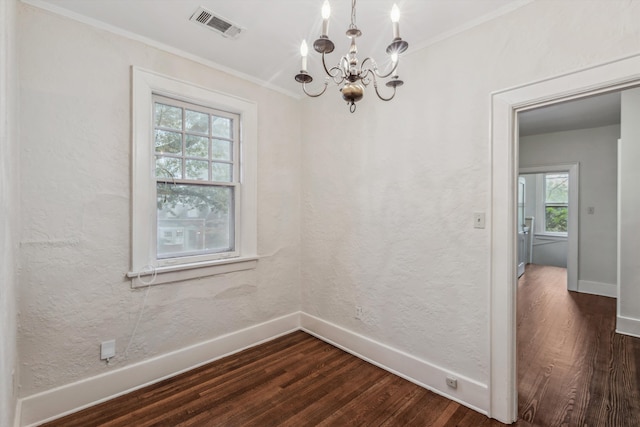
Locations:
(556, 202)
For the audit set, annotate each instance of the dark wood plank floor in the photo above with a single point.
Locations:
(296, 380)
(573, 369)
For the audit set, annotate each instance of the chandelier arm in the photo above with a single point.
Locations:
(374, 69)
(366, 76)
(375, 85)
(315, 95)
(384, 76)
(364, 61)
(334, 72)
(324, 64)
(339, 77)
(364, 73)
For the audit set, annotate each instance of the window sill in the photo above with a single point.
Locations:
(549, 236)
(180, 273)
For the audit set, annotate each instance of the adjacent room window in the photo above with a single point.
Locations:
(194, 181)
(556, 203)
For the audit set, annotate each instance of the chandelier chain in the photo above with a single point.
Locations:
(353, 14)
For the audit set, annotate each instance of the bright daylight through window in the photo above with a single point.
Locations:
(556, 203)
(194, 193)
(196, 169)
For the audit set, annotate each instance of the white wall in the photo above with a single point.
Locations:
(9, 202)
(390, 191)
(75, 183)
(387, 195)
(596, 151)
(629, 300)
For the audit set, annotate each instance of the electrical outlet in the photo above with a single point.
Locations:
(452, 382)
(107, 349)
(358, 312)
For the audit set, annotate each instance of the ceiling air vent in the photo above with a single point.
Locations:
(216, 23)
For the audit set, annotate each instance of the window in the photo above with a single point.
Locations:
(194, 181)
(196, 171)
(556, 202)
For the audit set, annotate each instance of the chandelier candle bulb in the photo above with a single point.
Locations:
(304, 51)
(395, 19)
(326, 13)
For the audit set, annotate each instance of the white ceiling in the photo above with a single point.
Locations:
(594, 111)
(267, 51)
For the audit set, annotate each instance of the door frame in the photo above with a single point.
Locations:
(615, 75)
(573, 223)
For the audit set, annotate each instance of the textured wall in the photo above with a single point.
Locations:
(9, 201)
(9, 214)
(75, 182)
(596, 150)
(389, 192)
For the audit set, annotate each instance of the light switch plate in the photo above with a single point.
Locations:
(478, 220)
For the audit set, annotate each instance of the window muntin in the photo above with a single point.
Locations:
(196, 168)
(146, 268)
(556, 203)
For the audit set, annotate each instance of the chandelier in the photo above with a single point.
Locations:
(353, 75)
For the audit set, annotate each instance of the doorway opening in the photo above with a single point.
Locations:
(606, 78)
(550, 218)
(551, 354)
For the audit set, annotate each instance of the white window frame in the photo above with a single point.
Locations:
(234, 184)
(145, 267)
(541, 204)
(546, 203)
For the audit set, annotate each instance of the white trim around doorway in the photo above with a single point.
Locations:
(611, 76)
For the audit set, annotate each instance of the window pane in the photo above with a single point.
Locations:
(196, 122)
(197, 146)
(221, 150)
(168, 167)
(194, 220)
(557, 188)
(168, 116)
(196, 169)
(168, 142)
(221, 172)
(221, 126)
(556, 218)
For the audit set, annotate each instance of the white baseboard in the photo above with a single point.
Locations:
(597, 288)
(628, 326)
(470, 393)
(60, 401)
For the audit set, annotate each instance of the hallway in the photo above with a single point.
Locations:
(573, 369)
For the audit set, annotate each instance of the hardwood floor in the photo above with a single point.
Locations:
(573, 369)
(296, 380)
